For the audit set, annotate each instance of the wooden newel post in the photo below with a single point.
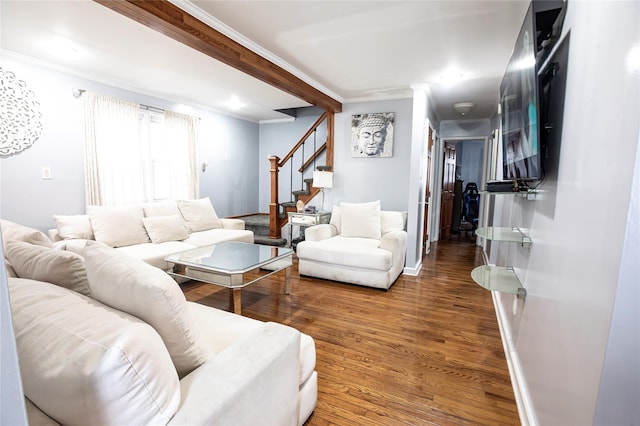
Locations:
(274, 230)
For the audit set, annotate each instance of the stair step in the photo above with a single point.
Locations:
(277, 242)
(324, 168)
(301, 192)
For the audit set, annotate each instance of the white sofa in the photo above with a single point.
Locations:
(109, 339)
(149, 231)
(361, 245)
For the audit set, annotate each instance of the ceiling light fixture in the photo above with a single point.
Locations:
(235, 103)
(451, 77)
(463, 108)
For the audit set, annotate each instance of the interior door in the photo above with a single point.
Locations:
(448, 183)
(427, 194)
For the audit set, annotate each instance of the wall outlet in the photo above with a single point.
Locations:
(46, 172)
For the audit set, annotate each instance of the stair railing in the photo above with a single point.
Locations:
(278, 210)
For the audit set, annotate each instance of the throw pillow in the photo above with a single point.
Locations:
(58, 267)
(392, 221)
(13, 231)
(84, 363)
(147, 292)
(165, 228)
(74, 226)
(118, 226)
(360, 219)
(160, 208)
(199, 214)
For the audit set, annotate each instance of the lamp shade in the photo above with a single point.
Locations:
(323, 179)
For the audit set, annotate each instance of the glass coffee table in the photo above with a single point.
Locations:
(225, 264)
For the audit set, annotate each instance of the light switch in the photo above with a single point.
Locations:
(46, 172)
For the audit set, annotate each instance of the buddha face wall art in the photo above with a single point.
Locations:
(372, 135)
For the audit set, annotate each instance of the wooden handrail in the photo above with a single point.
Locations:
(312, 157)
(303, 139)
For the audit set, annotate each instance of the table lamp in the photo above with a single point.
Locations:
(322, 180)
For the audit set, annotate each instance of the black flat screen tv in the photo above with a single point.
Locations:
(519, 108)
(520, 102)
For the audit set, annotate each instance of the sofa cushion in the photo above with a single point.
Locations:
(360, 220)
(154, 254)
(147, 292)
(215, 236)
(73, 226)
(392, 221)
(84, 363)
(165, 228)
(199, 214)
(41, 263)
(118, 226)
(13, 231)
(355, 252)
(160, 208)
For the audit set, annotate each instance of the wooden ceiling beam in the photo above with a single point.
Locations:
(174, 22)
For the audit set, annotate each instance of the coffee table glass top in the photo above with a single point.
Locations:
(231, 257)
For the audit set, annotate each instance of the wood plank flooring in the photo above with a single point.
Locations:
(426, 352)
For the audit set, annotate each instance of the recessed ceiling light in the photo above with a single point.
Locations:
(62, 48)
(451, 77)
(235, 103)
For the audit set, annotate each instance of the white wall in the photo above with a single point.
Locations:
(560, 337)
(229, 145)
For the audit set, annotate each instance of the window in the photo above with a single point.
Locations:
(135, 155)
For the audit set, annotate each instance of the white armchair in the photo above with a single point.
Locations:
(361, 245)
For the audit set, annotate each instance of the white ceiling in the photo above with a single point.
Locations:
(351, 50)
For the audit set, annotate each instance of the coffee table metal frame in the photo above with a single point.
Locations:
(203, 264)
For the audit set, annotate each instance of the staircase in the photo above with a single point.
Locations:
(278, 209)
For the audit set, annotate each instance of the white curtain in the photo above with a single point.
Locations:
(113, 158)
(182, 136)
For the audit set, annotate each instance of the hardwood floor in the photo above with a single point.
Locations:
(428, 351)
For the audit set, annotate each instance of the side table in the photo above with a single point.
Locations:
(303, 220)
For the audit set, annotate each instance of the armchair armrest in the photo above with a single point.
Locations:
(320, 232)
(253, 382)
(232, 223)
(395, 242)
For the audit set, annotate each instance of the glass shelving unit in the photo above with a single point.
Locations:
(509, 235)
(499, 278)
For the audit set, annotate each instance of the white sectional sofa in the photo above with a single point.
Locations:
(149, 231)
(361, 245)
(105, 338)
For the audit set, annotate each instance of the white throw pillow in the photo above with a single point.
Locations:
(135, 287)
(165, 228)
(160, 208)
(40, 263)
(12, 231)
(83, 363)
(74, 226)
(118, 226)
(392, 221)
(199, 214)
(360, 219)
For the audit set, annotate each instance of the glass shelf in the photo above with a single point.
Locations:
(510, 235)
(529, 194)
(498, 278)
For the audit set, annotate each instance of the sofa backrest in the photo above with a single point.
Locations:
(390, 220)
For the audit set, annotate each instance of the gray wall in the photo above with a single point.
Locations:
(228, 144)
(565, 340)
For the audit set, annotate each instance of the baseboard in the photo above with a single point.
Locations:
(412, 271)
(520, 390)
